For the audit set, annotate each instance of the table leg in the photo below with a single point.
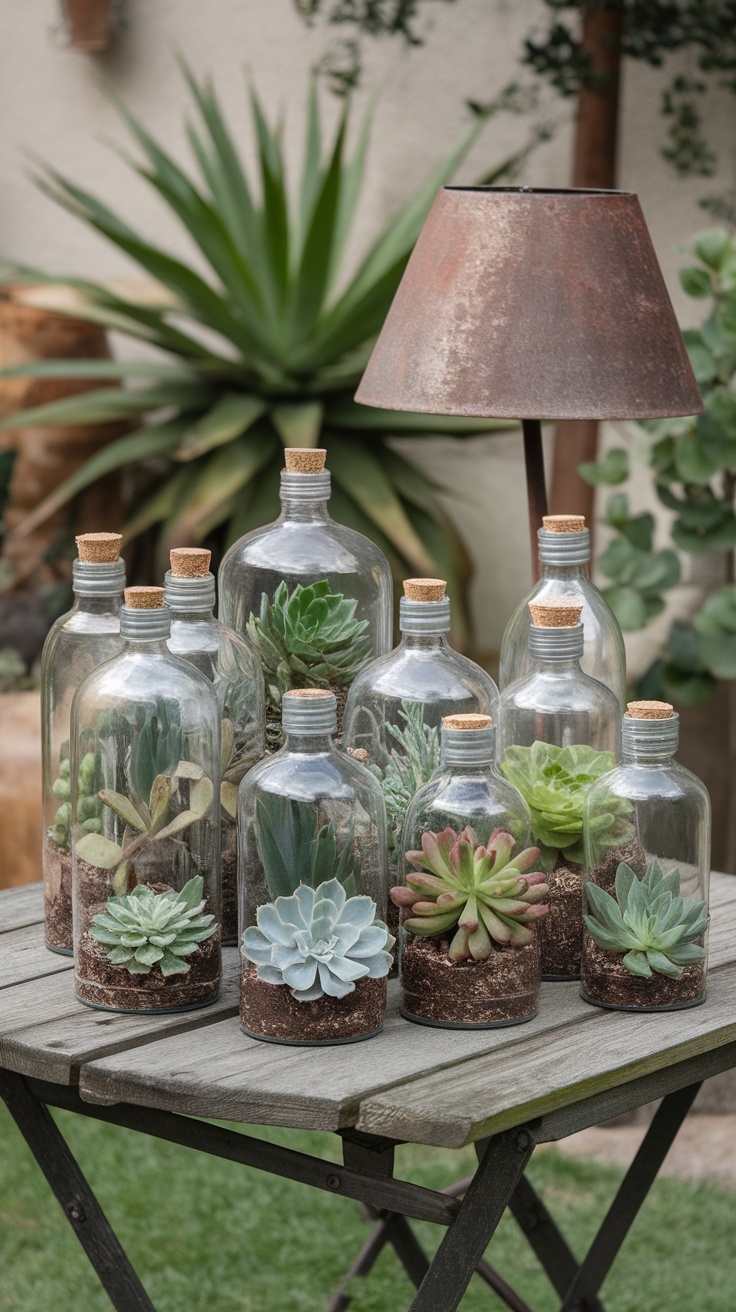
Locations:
(78, 1202)
(546, 1239)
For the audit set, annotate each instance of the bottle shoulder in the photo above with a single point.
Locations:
(301, 547)
(310, 776)
(145, 676)
(667, 781)
(422, 674)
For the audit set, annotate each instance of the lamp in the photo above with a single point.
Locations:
(532, 304)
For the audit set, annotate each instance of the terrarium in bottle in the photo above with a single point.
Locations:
(647, 865)
(561, 731)
(312, 839)
(564, 560)
(472, 891)
(146, 731)
(80, 640)
(232, 668)
(313, 597)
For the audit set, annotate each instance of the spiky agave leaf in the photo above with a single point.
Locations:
(413, 759)
(647, 923)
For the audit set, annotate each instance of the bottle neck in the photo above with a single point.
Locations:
(553, 570)
(304, 512)
(308, 744)
(107, 605)
(647, 754)
(184, 615)
(146, 646)
(467, 769)
(424, 641)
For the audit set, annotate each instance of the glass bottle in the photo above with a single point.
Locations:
(564, 558)
(146, 890)
(647, 865)
(561, 730)
(80, 640)
(486, 972)
(313, 597)
(313, 889)
(230, 665)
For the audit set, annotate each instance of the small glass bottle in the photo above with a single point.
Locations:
(146, 890)
(313, 888)
(564, 557)
(80, 640)
(647, 867)
(230, 665)
(561, 731)
(313, 597)
(472, 960)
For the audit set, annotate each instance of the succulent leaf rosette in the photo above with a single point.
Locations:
(143, 929)
(480, 892)
(318, 942)
(647, 923)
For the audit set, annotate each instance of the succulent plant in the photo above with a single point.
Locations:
(143, 929)
(157, 746)
(308, 638)
(647, 923)
(89, 806)
(295, 851)
(319, 941)
(411, 764)
(479, 892)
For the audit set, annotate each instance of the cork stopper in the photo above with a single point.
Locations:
(305, 459)
(649, 711)
(99, 548)
(425, 589)
(144, 598)
(359, 754)
(473, 720)
(308, 692)
(563, 523)
(555, 613)
(190, 562)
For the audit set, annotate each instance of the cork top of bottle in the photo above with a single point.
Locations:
(144, 598)
(555, 613)
(563, 523)
(307, 693)
(473, 720)
(425, 589)
(99, 548)
(190, 562)
(649, 711)
(305, 459)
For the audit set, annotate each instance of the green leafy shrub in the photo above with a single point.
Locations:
(647, 923)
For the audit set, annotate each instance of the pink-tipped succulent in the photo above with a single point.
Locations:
(481, 893)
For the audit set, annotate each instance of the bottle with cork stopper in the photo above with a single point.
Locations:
(78, 641)
(146, 880)
(313, 597)
(561, 730)
(315, 947)
(564, 561)
(395, 707)
(230, 665)
(647, 864)
(469, 945)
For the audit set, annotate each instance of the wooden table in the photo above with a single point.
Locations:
(503, 1090)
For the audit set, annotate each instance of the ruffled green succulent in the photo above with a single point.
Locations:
(318, 942)
(478, 892)
(89, 806)
(143, 929)
(308, 638)
(647, 923)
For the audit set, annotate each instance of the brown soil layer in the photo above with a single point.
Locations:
(114, 988)
(606, 980)
(94, 887)
(57, 897)
(632, 854)
(501, 989)
(561, 930)
(229, 864)
(270, 1011)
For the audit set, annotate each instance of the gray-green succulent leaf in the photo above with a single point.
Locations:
(143, 929)
(647, 923)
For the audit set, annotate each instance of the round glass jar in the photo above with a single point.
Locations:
(230, 665)
(647, 869)
(84, 638)
(561, 731)
(313, 888)
(146, 891)
(471, 892)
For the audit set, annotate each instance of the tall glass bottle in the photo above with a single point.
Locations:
(146, 892)
(230, 665)
(471, 959)
(80, 640)
(647, 866)
(313, 597)
(561, 731)
(313, 889)
(564, 558)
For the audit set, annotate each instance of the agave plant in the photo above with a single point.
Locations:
(479, 892)
(295, 851)
(647, 923)
(144, 929)
(412, 762)
(264, 347)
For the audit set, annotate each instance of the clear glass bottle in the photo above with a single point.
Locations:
(230, 665)
(564, 558)
(561, 731)
(146, 890)
(313, 597)
(80, 640)
(313, 887)
(475, 963)
(647, 867)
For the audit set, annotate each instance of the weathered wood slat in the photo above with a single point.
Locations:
(21, 906)
(24, 956)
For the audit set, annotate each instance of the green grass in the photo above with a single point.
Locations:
(210, 1236)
